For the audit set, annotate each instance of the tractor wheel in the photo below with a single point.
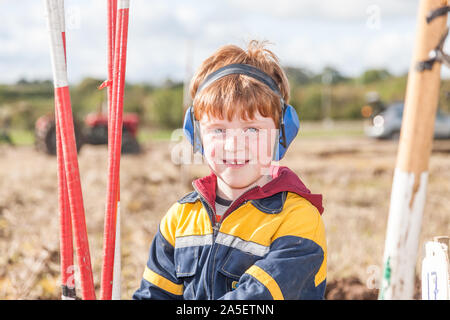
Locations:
(129, 144)
(97, 135)
(45, 136)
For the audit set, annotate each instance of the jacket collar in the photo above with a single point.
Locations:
(268, 198)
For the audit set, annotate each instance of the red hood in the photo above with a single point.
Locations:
(283, 179)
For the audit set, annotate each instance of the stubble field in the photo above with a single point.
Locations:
(353, 173)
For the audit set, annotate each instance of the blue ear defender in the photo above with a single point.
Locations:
(191, 129)
(289, 123)
(289, 126)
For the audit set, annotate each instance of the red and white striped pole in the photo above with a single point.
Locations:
(66, 237)
(112, 16)
(111, 249)
(63, 112)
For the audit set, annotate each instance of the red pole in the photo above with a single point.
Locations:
(112, 17)
(66, 242)
(66, 237)
(116, 288)
(63, 112)
(112, 13)
(114, 147)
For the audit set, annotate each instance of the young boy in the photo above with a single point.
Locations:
(250, 229)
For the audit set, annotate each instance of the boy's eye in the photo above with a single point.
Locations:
(252, 130)
(218, 131)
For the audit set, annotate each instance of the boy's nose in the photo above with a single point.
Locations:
(234, 141)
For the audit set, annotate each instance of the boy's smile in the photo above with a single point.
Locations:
(239, 151)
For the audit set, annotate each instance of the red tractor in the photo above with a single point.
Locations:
(94, 131)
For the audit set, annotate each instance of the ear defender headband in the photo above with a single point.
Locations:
(289, 122)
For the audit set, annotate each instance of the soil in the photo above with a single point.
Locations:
(352, 288)
(354, 174)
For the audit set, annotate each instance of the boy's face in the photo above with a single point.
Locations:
(238, 151)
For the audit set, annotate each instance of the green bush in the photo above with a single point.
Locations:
(166, 107)
(160, 107)
(374, 75)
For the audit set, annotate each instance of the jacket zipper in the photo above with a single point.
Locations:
(228, 212)
(216, 225)
(212, 216)
(212, 213)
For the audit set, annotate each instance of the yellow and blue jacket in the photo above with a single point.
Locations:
(270, 244)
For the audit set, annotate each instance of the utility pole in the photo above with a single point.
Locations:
(187, 101)
(411, 173)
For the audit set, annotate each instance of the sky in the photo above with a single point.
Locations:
(170, 38)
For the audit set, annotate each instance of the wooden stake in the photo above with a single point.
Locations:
(411, 172)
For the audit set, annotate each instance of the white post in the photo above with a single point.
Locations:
(411, 172)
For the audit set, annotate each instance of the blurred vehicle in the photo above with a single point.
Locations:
(94, 130)
(374, 105)
(387, 124)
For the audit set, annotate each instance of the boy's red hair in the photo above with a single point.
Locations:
(239, 93)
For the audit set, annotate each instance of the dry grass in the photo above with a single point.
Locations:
(353, 174)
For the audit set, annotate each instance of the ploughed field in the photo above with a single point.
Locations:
(353, 173)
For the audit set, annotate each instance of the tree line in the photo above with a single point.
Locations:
(315, 96)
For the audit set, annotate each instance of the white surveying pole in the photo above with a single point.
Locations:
(411, 172)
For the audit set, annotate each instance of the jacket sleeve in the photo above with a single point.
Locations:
(295, 266)
(159, 280)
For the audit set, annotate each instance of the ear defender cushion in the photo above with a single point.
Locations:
(291, 126)
(188, 126)
(191, 130)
